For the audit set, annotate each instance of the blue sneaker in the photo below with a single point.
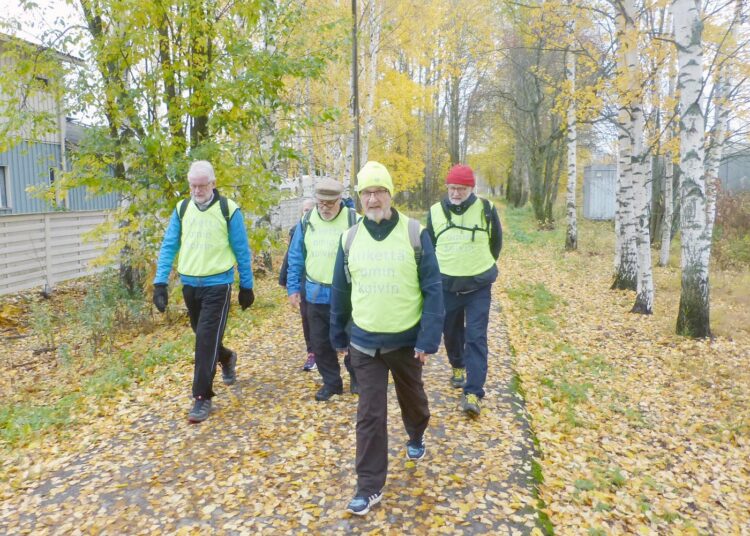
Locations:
(415, 449)
(360, 505)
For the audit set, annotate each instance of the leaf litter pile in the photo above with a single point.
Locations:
(270, 459)
(640, 431)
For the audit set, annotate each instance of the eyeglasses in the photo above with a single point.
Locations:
(329, 204)
(374, 193)
(207, 186)
(459, 189)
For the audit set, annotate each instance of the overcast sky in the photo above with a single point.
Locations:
(46, 16)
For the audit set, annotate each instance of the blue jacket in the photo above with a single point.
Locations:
(313, 292)
(425, 336)
(170, 246)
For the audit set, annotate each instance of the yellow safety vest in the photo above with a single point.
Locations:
(205, 248)
(386, 296)
(322, 243)
(463, 244)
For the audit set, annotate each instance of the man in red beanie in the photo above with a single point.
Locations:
(466, 232)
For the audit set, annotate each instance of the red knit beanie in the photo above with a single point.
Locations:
(461, 175)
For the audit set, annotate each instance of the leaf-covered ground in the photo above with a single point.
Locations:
(640, 431)
(270, 459)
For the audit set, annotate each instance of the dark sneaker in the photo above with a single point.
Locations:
(415, 449)
(353, 386)
(200, 411)
(360, 505)
(229, 370)
(324, 393)
(470, 405)
(310, 363)
(458, 379)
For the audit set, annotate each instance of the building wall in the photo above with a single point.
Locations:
(599, 192)
(26, 165)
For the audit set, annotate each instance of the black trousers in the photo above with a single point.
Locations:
(372, 411)
(208, 308)
(305, 323)
(319, 322)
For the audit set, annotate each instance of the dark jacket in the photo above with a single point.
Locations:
(425, 336)
(474, 282)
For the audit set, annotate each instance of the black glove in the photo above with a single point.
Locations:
(246, 297)
(161, 297)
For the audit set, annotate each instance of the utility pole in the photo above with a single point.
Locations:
(355, 90)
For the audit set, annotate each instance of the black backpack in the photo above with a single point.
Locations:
(222, 203)
(487, 209)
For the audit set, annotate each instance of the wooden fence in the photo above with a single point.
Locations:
(44, 249)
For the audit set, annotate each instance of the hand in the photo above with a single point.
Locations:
(295, 299)
(421, 356)
(161, 297)
(246, 297)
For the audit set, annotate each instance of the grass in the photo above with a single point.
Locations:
(91, 366)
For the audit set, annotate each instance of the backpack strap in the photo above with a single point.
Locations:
(415, 230)
(223, 204)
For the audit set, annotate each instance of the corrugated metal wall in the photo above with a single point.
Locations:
(599, 192)
(36, 249)
(28, 165)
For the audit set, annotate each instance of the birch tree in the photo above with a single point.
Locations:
(693, 315)
(571, 236)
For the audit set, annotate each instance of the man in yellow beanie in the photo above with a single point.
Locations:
(467, 236)
(386, 286)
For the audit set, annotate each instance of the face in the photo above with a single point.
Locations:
(201, 188)
(458, 193)
(328, 209)
(376, 202)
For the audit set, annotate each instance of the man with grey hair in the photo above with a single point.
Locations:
(208, 231)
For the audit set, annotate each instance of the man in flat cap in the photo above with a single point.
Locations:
(313, 253)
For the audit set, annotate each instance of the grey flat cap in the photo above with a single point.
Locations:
(328, 189)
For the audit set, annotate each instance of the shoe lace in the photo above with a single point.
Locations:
(458, 374)
(472, 399)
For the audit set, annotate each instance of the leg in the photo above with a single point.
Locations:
(305, 323)
(372, 422)
(319, 317)
(214, 309)
(407, 377)
(453, 329)
(477, 318)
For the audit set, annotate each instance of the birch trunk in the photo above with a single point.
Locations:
(693, 315)
(666, 233)
(571, 237)
(371, 78)
(644, 299)
(626, 258)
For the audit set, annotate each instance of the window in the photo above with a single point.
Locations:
(51, 176)
(4, 202)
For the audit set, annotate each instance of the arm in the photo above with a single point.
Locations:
(341, 303)
(496, 233)
(169, 247)
(284, 271)
(241, 249)
(296, 262)
(433, 311)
